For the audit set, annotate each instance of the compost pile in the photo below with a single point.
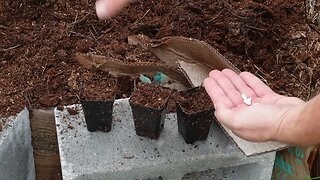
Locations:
(39, 37)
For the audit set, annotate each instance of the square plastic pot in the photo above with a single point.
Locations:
(194, 126)
(98, 115)
(148, 122)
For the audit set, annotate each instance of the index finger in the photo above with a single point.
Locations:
(216, 93)
(255, 84)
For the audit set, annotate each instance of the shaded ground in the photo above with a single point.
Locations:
(38, 37)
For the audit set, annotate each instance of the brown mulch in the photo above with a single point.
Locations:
(38, 38)
(194, 100)
(150, 96)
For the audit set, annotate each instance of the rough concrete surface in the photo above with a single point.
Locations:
(121, 154)
(16, 154)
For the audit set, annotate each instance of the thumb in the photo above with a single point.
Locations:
(107, 8)
(224, 114)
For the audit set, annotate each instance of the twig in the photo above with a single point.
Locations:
(78, 34)
(311, 4)
(94, 29)
(259, 70)
(45, 67)
(246, 50)
(216, 16)
(310, 80)
(78, 96)
(94, 37)
(312, 26)
(12, 47)
(311, 45)
(236, 15)
(278, 57)
(70, 26)
(4, 27)
(75, 19)
(305, 86)
(305, 10)
(80, 20)
(94, 51)
(309, 23)
(262, 6)
(144, 15)
(255, 28)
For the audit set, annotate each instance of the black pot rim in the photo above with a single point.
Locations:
(161, 108)
(183, 109)
(195, 112)
(108, 100)
(163, 105)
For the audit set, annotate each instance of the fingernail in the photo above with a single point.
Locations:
(101, 9)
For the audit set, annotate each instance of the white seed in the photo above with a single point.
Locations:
(246, 100)
(243, 96)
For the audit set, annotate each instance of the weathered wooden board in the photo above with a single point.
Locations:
(315, 171)
(45, 145)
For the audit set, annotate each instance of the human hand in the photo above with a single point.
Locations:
(261, 121)
(108, 8)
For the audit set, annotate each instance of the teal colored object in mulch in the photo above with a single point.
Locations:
(160, 78)
(144, 79)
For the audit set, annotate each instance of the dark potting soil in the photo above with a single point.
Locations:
(38, 38)
(194, 100)
(99, 86)
(60, 108)
(150, 95)
(171, 106)
(72, 111)
(125, 86)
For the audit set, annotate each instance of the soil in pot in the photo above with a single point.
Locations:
(195, 113)
(148, 103)
(97, 98)
(125, 86)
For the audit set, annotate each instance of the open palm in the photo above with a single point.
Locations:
(260, 121)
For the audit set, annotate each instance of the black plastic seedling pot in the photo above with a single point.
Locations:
(194, 125)
(98, 115)
(149, 121)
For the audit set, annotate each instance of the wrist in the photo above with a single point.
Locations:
(291, 125)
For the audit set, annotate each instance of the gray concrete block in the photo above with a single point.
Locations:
(16, 154)
(121, 154)
(233, 172)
